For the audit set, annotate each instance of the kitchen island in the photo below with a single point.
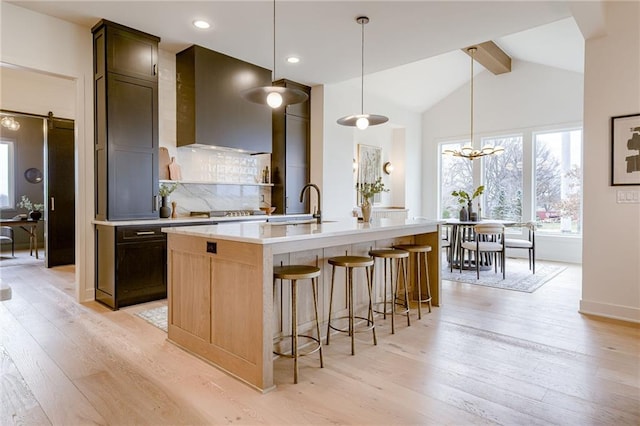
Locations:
(220, 282)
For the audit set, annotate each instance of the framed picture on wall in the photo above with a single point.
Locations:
(369, 166)
(625, 150)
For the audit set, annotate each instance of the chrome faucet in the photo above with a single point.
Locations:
(317, 214)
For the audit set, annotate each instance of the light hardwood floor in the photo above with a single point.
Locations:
(486, 356)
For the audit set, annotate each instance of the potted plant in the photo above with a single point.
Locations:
(368, 190)
(464, 198)
(164, 192)
(35, 209)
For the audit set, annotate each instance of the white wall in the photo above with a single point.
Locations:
(611, 269)
(339, 148)
(531, 96)
(37, 93)
(45, 44)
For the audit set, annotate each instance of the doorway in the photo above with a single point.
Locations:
(40, 166)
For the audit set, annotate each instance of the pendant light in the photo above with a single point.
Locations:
(468, 151)
(274, 96)
(362, 120)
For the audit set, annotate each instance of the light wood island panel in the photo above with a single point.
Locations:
(221, 305)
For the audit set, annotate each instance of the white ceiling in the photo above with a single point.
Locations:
(412, 55)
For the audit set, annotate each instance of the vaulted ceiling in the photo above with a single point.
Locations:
(412, 48)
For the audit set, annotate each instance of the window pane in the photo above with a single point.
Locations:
(502, 177)
(6, 175)
(455, 174)
(558, 182)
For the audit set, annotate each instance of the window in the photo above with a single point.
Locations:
(558, 181)
(454, 175)
(503, 179)
(537, 178)
(7, 198)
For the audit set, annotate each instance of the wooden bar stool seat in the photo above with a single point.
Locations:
(420, 250)
(388, 256)
(351, 262)
(293, 273)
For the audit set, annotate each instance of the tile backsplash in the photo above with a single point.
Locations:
(214, 179)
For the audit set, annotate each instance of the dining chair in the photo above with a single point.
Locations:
(489, 238)
(529, 243)
(446, 243)
(6, 235)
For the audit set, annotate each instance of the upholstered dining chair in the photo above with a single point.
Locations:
(6, 235)
(528, 244)
(489, 238)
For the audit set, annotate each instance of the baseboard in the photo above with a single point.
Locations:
(624, 313)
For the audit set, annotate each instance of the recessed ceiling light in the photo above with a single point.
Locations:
(293, 59)
(203, 25)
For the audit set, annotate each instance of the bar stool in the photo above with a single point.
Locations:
(350, 262)
(387, 256)
(419, 249)
(293, 273)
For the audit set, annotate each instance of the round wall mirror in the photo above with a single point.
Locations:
(33, 175)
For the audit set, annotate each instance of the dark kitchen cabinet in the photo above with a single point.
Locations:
(290, 158)
(131, 265)
(126, 122)
(210, 106)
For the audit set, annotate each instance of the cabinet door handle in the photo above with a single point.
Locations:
(155, 203)
(53, 204)
(154, 69)
(145, 233)
(286, 202)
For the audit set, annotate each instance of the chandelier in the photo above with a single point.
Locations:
(469, 151)
(10, 123)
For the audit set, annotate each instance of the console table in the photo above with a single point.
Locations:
(29, 226)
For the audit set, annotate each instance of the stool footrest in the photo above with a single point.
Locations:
(359, 329)
(315, 349)
(402, 312)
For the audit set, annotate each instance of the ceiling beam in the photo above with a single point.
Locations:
(490, 56)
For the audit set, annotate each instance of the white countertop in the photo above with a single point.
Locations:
(271, 233)
(195, 219)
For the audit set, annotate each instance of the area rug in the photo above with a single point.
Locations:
(518, 275)
(155, 316)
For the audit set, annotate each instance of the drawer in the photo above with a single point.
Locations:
(139, 233)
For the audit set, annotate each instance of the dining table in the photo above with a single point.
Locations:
(27, 225)
(464, 231)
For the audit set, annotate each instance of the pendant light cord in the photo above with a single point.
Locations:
(273, 73)
(362, 69)
(472, 50)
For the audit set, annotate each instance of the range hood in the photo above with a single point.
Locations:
(210, 109)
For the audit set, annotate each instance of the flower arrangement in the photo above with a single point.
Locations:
(26, 203)
(165, 189)
(465, 198)
(368, 190)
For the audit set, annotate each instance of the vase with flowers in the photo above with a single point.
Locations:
(467, 213)
(368, 190)
(35, 209)
(164, 192)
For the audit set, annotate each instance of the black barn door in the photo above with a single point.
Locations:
(60, 193)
